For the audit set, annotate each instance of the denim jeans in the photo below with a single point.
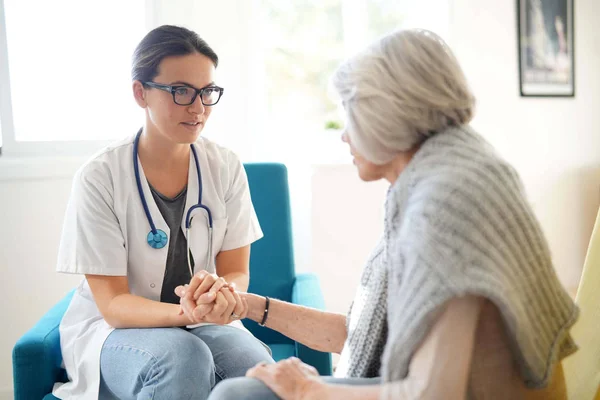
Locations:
(174, 363)
(250, 388)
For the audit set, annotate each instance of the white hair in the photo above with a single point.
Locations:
(399, 91)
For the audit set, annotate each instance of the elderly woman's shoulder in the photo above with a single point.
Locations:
(461, 161)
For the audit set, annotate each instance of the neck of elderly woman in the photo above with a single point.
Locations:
(394, 168)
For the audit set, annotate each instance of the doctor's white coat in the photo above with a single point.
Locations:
(105, 231)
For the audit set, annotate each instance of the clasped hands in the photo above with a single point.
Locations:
(209, 298)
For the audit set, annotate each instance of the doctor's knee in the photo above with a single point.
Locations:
(190, 355)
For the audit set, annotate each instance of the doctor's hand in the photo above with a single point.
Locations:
(221, 304)
(202, 284)
(224, 307)
(227, 307)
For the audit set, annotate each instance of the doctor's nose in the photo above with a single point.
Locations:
(197, 107)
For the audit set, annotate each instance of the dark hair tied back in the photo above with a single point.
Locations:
(166, 41)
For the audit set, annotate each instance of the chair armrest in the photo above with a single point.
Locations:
(307, 292)
(37, 357)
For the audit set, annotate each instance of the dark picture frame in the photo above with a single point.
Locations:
(546, 44)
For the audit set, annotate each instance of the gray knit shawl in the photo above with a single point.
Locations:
(457, 222)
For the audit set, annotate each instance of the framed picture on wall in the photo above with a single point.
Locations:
(546, 48)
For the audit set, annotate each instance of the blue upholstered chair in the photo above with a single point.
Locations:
(37, 357)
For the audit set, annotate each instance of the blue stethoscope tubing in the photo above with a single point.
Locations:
(157, 238)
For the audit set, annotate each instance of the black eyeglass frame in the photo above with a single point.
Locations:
(173, 89)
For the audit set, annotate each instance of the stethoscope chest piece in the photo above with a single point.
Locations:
(157, 240)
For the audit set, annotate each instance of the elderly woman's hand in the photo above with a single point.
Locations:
(228, 306)
(209, 298)
(188, 299)
(290, 379)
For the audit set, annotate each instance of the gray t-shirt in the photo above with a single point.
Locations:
(176, 271)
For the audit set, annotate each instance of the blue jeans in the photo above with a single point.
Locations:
(174, 363)
(250, 388)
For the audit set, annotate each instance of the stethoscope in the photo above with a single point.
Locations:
(157, 238)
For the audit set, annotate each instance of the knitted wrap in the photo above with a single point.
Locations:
(458, 223)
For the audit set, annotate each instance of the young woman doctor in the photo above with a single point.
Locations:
(144, 215)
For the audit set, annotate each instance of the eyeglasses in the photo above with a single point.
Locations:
(186, 95)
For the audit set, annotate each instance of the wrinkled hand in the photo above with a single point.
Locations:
(290, 379)
(208, 298)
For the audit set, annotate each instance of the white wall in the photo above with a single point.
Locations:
(554, 143)
(347, 222)
(31, 214)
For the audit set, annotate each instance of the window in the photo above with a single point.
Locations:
(65, 69)
(304, 42)
(70, 75)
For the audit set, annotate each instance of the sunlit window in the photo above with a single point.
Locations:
(304, 42)
(69, 64)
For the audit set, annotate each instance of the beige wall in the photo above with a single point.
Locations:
(554, 143)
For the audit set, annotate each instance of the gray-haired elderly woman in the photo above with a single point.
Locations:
(460, 299)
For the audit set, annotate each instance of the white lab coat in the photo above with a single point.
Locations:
(105, 231)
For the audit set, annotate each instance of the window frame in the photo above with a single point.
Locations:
(10, 147)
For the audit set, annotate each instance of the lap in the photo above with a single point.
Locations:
(229, 350)
(234, 350)
(156, 343)
(166, 362)
(221, 339)
(352, 381)
(250, 388)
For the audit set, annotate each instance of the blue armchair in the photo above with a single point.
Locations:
(37, 358)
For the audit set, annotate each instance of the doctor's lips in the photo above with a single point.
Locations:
(192, 123)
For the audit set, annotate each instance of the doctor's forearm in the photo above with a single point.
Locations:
(240, 279)
(319, 330)
(234, 266)
(130, 311)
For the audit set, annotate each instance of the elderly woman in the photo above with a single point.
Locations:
(460, 299)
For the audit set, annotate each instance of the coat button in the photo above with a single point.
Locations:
(152, 285)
